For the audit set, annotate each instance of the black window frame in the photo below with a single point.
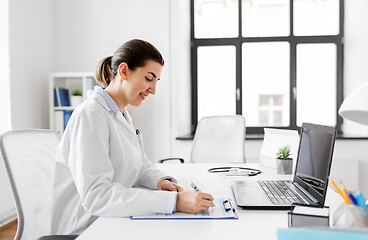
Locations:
(291, 39)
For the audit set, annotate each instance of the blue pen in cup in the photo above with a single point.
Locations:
(353, 199)
(195, 187)
(360, 199)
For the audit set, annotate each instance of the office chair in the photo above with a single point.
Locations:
(29, 157)
(218, 139)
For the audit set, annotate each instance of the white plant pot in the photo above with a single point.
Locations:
(284, 166)
(76, 100)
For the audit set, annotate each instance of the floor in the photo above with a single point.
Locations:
(8, 231)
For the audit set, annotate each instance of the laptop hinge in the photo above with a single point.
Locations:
(305, 192)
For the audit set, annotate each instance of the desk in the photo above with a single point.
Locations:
(252, 224)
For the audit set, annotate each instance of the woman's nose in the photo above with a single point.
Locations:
(152, 89)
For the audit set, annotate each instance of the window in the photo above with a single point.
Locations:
(271, 110)
(216, 87)
(277, 62)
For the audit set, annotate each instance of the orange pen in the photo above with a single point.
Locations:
(339, 192)
(345, 192)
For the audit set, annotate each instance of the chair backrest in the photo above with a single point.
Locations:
(29, 157)
(219, 139)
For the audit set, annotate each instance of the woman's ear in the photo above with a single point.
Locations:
(123, 70)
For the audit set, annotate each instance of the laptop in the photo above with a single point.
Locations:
(309, 184)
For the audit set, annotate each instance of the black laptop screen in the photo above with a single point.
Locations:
(314, 159)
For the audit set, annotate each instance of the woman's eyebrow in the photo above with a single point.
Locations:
(154, 75)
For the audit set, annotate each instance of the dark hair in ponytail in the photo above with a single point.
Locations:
(134, 53)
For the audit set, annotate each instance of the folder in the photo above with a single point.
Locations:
(62, 97)
(67, 115)
(223, 209)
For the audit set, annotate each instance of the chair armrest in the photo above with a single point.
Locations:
(171, 159)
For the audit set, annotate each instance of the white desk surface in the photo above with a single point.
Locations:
(252, 224)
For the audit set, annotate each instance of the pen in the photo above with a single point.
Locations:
(360, 199)
(195, 187)
(339, 191)
(352, 199)
(345, 192)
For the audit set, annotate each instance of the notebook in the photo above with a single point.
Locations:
(309, 184)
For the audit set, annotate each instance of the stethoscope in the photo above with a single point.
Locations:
(235, 171)
(140, 140)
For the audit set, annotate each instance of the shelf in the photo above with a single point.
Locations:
(72, 74)
(70, 108)
(83, 81)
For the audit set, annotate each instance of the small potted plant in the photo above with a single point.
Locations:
(284, 162)
(76, 98)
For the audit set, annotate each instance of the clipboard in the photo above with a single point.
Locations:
(223, 209)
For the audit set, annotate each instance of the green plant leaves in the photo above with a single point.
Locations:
(284, 153)
(77, 92)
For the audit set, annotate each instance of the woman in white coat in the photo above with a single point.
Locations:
(101, 159)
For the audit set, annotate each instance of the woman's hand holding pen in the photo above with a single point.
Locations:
(166, 185)
(188, 201)
(193, 202)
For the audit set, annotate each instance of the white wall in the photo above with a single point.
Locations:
(4, 67)
(355, 74)
(180, 73)
(31, 60)
(6, 200)
(355, 55)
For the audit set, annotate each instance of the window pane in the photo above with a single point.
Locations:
(216, 81)
(216, 18)
(265, 18)
(316, 83)
(266, 84)
(316, 17)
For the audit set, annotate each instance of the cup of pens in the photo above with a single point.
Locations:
(354, 212)
(350, 216)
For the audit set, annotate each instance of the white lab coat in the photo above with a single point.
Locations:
(99, 161)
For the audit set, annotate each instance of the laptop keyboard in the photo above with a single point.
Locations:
(279, 193)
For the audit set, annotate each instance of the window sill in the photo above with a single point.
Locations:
(350, 137)
(189, 137)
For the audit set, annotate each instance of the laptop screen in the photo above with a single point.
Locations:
(314, 159)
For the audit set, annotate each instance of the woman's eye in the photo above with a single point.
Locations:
(148, 79)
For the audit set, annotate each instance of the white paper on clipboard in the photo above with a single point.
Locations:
(274, 139)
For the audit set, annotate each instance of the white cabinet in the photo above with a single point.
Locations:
(68, 82)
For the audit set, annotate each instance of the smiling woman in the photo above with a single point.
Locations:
(101, 157)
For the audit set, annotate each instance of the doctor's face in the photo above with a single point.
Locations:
(141, 82)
